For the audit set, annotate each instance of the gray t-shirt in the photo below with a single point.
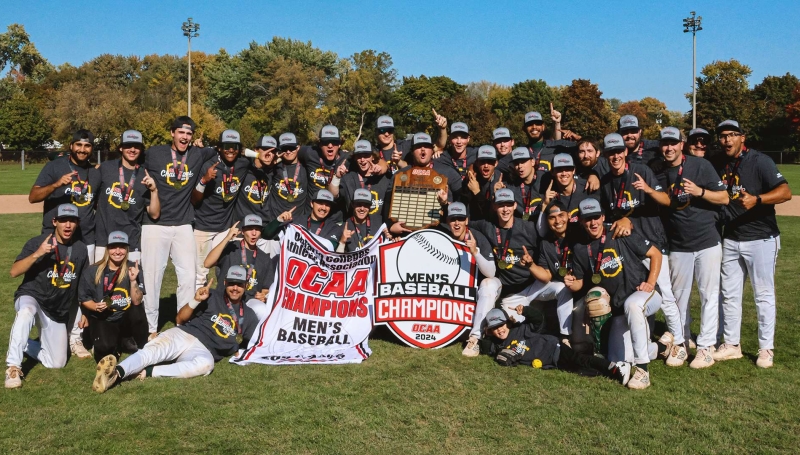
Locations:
(82, 192)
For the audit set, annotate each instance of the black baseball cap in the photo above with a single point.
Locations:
(184, 121)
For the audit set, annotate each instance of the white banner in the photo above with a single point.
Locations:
(321, 302)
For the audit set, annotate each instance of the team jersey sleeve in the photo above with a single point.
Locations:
(638, 244)
(650, 178)
(542, 260)
(30, 247)
(47, 175)
(87, 289)
(769, 174)
(580, 261)
(709, 180)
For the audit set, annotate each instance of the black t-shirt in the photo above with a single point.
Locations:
(525, 340)
(378, 185)
(214, 213)
(176, 206)
(621, 269)
(319, 170)
(40, 281)
(110, 216)
(260, 267)
(403, 146)
(82, 192)
(757, 174)
(254, 195)
(573, 200)
(690, 222)
(454, 181)
(526, 196)
(459, 165)
(289, 181)
(364, 232)
(555, 253)
(216, 325)
(480, 205)
(507, 248)
(330, 228)
(120, 293)
(648, 153)
(620, 199)
(544, 152)
(481, 242)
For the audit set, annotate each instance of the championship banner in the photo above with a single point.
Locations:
(426, 290)
(321, 303)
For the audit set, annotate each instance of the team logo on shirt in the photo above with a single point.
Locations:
(253, 193)
(169, 174)
(120, 300)
(611, 266)
(115, 196)
(544, 166)
(628, 204)
(68, 276)
(377, 203)
(235, 184)
(320, 177)
(573, 216)
(283, 191)
(80, 199)
(683, 199)
(224, 325)
(507, 261)
(736, 188)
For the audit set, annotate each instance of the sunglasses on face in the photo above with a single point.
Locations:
(385, 130)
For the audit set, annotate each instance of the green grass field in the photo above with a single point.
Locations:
(407, 400)
(791, 172)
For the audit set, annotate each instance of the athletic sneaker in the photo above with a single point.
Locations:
(472, 349)
(727, 352)
(640, 379)
(622, 372)
(13, 377)
(106, 374)
(666, 340)
(765, 358)
(78, 350)
(677, 356)
(703, 358)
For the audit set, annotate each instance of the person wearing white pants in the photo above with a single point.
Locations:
(214, 325)
(694, 195)
(751, 240)
(51, 265)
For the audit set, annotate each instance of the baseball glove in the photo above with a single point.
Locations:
(598, 302)
(508, 358)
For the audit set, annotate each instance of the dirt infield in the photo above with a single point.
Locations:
(19, 204)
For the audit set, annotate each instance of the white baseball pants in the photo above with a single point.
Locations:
(51, 349)
(757, 259)
(629, 337)
(205, 242)
(537, 291)
(191, 357)
(672, 315)
(704, 267)
(160, 243)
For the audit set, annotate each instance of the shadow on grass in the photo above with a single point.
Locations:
(167, 311)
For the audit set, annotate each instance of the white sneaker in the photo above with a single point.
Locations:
(79, 350)
(106, 374)
(765, 359)
(13, 377)
(667, 340)
(623, 373)
(703, 359)
(472, 349)
(640, 379)
(728, 352)
(677, 356)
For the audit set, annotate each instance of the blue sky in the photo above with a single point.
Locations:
(631, 49)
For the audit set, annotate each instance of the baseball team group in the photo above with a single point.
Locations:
(578, 243)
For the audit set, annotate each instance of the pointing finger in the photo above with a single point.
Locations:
(146, 173)
(550, 186)
(292, 209)
(551, 108)
(210, 282)
(524, 250)
(235, 225)
(434, 112)
(638, 176)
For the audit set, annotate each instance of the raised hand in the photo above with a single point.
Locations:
(554, 114)
(66, 179)
(550, 194)
(286, 216)
(203, 293)
(440, 120)
(45, 248)
(133, 272)
(234, 231)
(346, 234)
(640, 184)
(341, 170)
(211, 173)
(472, 182)
(526, 260)
(499, 185)
(469, 240)
(570, 135)
(148, 181)
(198, 142)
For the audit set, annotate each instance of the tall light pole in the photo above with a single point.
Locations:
(692, 24)
(190, 31)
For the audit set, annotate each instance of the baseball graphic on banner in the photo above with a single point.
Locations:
(428, 254)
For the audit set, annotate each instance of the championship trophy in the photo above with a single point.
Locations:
(414, 200)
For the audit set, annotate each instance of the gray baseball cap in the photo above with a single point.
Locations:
(589, 207)
(613, 142)
(230, 137)
(131, 137)
(698, 132)
(563, 160)
(533, 117)
(267, 142)
(459, 127)
(487, 152)
(117, 238)
(362, 195)
(729, 125)
(67, 211)
(670, 133)
(456, 209)
(422, 138)
(520, 153)
(501, 134)
(287, 140)
(236, 274)
(324, 196)
(495, 318)
(504, 195)
(362, 147)
(252, 220)
(329, 133)
(628, 122)
(384, 121)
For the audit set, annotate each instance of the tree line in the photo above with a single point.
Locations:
(288, 85)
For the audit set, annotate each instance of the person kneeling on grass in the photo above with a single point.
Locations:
(211, 327)
(512, 344)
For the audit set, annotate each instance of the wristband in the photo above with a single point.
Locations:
(201, 187)
(335, 181)
(194, 304)
(758, 200)
(703, 193)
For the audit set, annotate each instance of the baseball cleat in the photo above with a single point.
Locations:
(106, 374)
(77, 349)
(640, 379)
(677, 356)
(703, 359)
(667, 341)
(472, 349)
(765, 358)
(13, 377)
(622, 372)
(727, 352)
